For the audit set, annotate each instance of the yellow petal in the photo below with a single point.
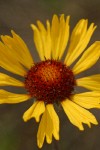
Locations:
(52, 40)
(88, 59)
(64, 37)
(9, 62)
(48, 42)
(79, 40)
(77, 36)
(87, 100)
(41, 130)
(34, 111)
(55, 121)
(90, 82)
(7, 80)
(59, 35)
(49, 126)
(46, 38)
(8, 97)
(23, 49)
(19, 49)
(54, 34)
(78, 115)
(38, 41)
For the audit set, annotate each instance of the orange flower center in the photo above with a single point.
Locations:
(50, 81)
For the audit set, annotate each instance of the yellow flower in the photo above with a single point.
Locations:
(52, 81)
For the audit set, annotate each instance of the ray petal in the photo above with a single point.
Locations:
(41, 130)
(78, 115)
(59, 35)
(8, 97)
(19, 49)
(49, 126)
(88, 59)
(90, 82)
(46, 38)
(55, 121)
(9, 62)
(7, 80)
(87, 100)
(34, 111)
(79, 40)
(38, 41)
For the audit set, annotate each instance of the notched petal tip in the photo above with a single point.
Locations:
(55, 18)
(25, 118)
(39, 144)
(34, 111)
(13, 33)
(78, 115)
(68, 19)
(81, 128)
(49, 139)
(33, 27)
(95, 122)
(48, 23)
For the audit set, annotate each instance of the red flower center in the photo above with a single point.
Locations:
(50, 81)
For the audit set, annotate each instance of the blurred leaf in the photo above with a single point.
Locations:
(8, 141)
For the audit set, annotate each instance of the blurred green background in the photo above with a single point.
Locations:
(18, 15)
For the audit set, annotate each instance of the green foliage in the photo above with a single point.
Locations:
(8, 139)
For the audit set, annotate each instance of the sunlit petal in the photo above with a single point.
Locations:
(7, 80)
(78, 115)
(87, 100)
(49, 126)
(59, 35)
(88, 59)
(80, 38)
(90, 82)
(8, 97)
(19, 49)
(34, 111)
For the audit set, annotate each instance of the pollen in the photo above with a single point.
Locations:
(50, 81)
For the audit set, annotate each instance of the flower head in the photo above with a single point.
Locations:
(52, 80)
